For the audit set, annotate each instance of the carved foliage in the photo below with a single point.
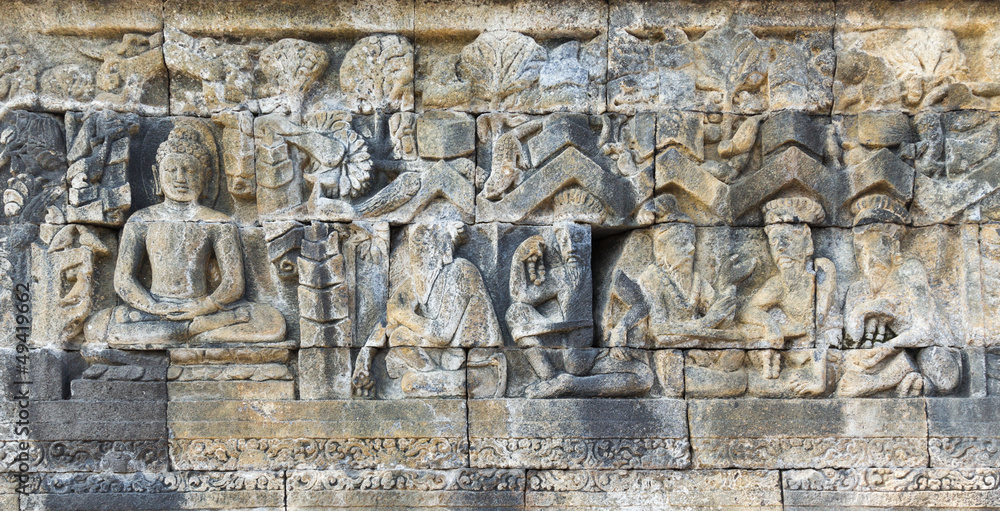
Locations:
(499, 66)
(377, 74)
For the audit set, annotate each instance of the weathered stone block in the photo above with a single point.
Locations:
(654, 490)
(232, 435)
(98, 420)
(230, 390)
(578, 433)
(443, 135)
(174, 491)
(654, 64)
(61, 59)
(541, 170)
(508, 68)
(370, 490)
(105, 390)
(890, 488)
(963, 432)
(766, 433)
(876, 61)
(325, 373)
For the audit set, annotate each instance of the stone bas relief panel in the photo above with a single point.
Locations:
(685, 257)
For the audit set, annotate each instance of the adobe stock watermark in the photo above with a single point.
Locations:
(21, 385)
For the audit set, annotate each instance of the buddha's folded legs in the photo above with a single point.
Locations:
(243, 322)
(246, 322)
(219, 319)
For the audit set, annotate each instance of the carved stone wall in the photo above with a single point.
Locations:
(461, 254)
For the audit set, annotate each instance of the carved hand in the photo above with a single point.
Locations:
(536, 269)
(193, 309)
(722, 309)
(164, 308)
(738, 270)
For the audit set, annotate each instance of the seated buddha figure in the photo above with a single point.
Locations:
(180, 266)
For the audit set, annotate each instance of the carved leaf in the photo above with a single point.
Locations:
(730, 61)
(930, 56)
(378, 74)
(499, 65)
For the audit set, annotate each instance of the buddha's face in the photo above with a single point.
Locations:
(181, 178)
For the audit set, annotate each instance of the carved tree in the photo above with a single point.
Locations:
(291, 67)
(926, 60)
(33, 151)
(731, 62)
(377, 74)
(499, 65)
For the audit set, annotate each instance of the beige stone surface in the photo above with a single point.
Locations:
(771, 434)
(915, 488)
(274, 435)
(370, 490)
(654, 490)
(289, 19)
(577, 433)
(962, 433)
(456, 254)
(445, 18)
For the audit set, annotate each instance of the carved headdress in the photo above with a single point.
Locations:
(879, 208)
(793, 210)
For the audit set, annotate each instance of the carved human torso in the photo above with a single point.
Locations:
(190, 252)
(670, 300)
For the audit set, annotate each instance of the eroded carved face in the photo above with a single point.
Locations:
(876, 247)
(242, 187)
(674, 247)
(431, 245)
(568, 239)
(791, 244)
(181, 177)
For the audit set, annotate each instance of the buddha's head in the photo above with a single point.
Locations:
(183, 165)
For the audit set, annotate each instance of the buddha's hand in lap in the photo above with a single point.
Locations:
(187, 309)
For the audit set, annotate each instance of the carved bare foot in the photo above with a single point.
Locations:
(911, 386)
(804, 387)
(362, 383)
(549, 388)
(219, 320)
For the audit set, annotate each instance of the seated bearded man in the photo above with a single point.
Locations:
(440, 308)
(551, 319)
(195, 264)
(889, 309)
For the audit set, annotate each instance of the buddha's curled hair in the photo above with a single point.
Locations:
(185, 140)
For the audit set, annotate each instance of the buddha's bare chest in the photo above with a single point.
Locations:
(178, 243)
